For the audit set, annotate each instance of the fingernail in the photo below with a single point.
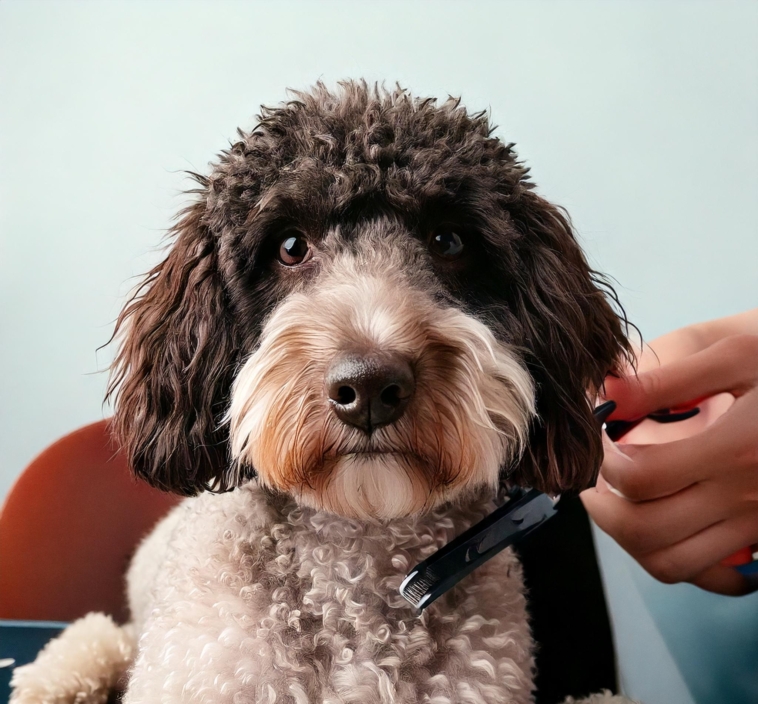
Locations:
(604, 410)
(614, 490)
(616, 429)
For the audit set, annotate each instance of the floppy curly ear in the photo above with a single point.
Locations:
(173, 371)
(575, 337)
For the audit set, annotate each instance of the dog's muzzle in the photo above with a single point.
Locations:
(370, 391)
(369, 399)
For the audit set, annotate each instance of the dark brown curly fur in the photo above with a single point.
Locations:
(341, 157)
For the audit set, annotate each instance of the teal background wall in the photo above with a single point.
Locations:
(637, 116)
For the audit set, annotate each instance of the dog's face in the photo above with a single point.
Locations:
(369, 308)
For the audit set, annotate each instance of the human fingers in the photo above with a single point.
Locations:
(645, 528)
(650, 432)
(724, 580)
(690, 339)
(649, 526)
(645, 472)
(728, 365)
(684, 561)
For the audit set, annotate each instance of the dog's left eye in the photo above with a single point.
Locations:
(447, 244)
(294, 249)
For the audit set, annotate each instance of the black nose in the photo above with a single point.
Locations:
(369, 391)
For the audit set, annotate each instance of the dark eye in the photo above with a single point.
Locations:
(294, 249)
(447, 244)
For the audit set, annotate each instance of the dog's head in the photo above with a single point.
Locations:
(369, 307)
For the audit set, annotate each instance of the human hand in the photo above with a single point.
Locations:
(690, 489)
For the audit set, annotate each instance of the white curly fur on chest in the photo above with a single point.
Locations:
(259, 600)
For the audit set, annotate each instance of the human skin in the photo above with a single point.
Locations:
(681, 497)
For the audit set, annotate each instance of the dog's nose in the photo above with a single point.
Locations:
(371, 391)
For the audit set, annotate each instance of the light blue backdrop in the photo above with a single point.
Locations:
(639, 117)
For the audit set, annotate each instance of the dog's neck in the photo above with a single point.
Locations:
(420, 534)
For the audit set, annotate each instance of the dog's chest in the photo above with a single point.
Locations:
(325, 622)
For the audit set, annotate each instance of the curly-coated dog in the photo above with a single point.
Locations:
(368, 323)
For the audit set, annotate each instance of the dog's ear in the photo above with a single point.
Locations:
(173, 371)
(574, 337)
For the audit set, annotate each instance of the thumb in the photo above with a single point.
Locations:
(728, 365)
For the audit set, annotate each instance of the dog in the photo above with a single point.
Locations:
(367, 325)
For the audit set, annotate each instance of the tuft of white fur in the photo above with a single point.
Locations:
(145, 568)
(88, 660)
(382, 488)
(604, 697)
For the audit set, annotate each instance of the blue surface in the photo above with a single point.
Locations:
(713, 638)
(677, 644)
(22, 640)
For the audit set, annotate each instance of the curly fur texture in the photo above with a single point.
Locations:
(286, 590)
(292, 604)
(287, 604)
(83, 665)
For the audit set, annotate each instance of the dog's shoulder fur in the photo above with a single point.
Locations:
(253, 594)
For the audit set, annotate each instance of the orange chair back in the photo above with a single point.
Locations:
(69, 527)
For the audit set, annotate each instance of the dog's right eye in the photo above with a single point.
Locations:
(446, 244)
(294, 249)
